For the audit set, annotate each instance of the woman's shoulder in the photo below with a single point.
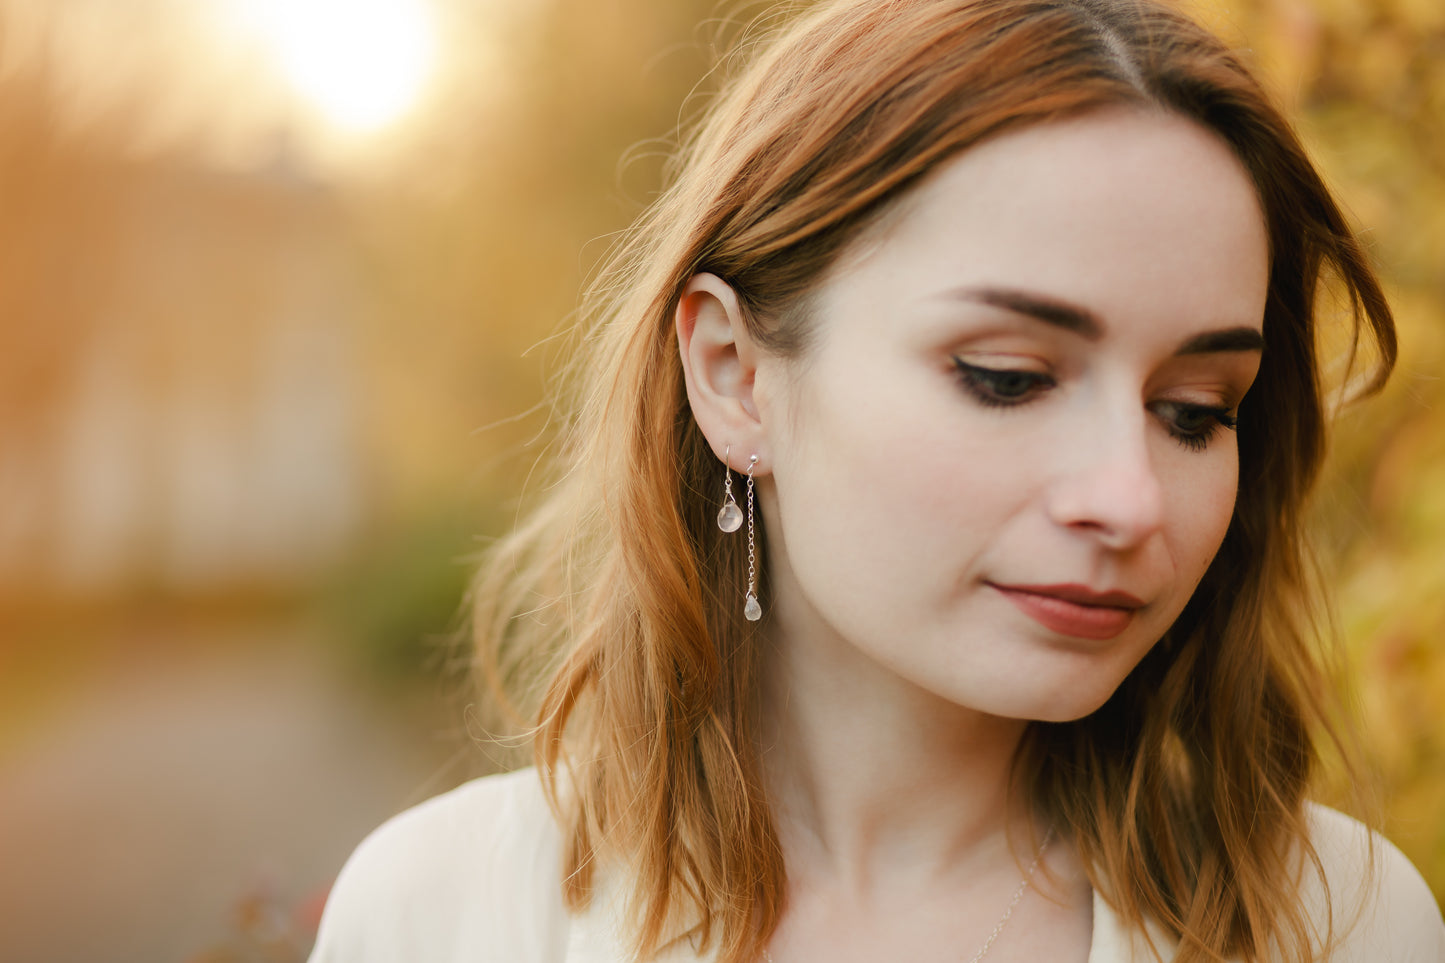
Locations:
(471, 874)
(1378, 904)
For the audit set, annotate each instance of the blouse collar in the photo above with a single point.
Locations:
(596, 936)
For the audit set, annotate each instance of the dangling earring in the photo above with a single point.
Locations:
(752, 611)
(729, 517)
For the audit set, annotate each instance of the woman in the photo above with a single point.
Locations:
(993, 637)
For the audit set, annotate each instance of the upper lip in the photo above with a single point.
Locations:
(1080, 594)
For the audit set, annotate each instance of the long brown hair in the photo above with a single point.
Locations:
(1185, 791)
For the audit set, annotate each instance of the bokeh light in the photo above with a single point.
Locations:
(362, 63)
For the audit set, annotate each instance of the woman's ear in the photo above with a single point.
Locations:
(719, 362)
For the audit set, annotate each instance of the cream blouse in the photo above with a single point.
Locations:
(473, 876)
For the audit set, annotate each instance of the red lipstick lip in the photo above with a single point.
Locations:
(1078, 594)
(1074, 610)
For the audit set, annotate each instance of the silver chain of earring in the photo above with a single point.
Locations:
(752, 611)
(730, 519)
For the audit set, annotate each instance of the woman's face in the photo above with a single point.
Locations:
(1004, 463)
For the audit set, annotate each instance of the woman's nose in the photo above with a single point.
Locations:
(1113, 492)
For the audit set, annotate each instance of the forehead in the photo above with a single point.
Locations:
(1133, 214)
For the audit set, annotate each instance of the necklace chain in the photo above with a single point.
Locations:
(1008, 911)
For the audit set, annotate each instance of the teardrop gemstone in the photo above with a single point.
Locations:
(730, 518)
(752, 611)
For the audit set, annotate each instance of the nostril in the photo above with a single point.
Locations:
(1120, 503)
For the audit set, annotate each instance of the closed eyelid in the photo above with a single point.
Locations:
(1204, 379)
(1002, 359)
(1215, 383)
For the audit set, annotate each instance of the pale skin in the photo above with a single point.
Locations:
(1021, 381)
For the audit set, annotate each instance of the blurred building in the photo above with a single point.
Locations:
(181, 404)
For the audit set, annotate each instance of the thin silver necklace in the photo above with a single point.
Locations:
(1008, 911)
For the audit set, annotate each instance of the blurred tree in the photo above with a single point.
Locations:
(1366, 80)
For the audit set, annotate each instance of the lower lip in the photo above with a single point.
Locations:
(1071, 618)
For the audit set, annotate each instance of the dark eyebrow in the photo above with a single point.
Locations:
(1083, 322)
(1227, 339)
(1060, 314)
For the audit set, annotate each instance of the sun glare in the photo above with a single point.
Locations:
(361, 63)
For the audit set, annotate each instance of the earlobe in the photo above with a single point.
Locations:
(719, 361)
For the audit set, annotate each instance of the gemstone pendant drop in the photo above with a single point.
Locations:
(752, 611)
(730, 518)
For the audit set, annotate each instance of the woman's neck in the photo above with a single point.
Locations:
(875, 781)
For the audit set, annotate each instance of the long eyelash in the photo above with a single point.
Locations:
(1200, 440)
(982, 384)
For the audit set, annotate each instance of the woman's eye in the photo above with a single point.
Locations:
(1193, 426)
(1001, 388)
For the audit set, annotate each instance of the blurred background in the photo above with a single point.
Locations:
(280, 289)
